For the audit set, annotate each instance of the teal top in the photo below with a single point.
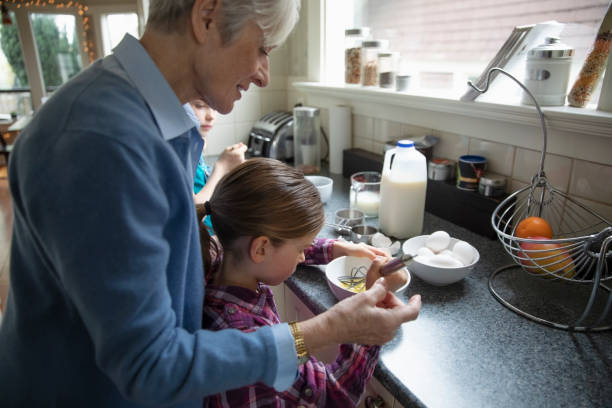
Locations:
(202, 171)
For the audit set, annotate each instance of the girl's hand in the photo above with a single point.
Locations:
(361, 250)
(394, 280)
(231, 157)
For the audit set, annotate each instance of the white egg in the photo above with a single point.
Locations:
(380, 240)
(438, 241)
(386, 251)
(424, 251)
(464, 252)
(422, 259)
(446, 252)
(444, 261)
(395, 247)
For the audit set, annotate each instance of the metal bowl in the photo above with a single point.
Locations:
(348, 218)
(363, 233)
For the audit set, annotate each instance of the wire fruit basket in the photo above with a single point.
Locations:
(580, 252)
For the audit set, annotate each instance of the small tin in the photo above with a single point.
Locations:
(440, 169)
(402, 83)
(492, 185)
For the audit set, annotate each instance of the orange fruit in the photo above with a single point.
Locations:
(533, 227)
(550, 257)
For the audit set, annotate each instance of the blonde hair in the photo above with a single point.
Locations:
(261, 197)
(276, 18)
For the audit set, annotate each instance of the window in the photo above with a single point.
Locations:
(447, 41)
(57, 44)
(14, 85)
(114, 28)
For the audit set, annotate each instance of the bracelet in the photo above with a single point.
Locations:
(300, 346)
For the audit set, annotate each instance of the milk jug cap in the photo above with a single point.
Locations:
(405, 143)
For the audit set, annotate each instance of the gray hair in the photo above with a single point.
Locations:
(276, 18)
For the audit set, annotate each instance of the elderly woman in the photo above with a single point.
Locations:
(105, 306)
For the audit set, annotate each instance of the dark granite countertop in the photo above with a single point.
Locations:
(468, 350)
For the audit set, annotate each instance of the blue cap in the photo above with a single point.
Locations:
(405, 143)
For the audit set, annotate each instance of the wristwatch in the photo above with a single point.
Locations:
(300, 346)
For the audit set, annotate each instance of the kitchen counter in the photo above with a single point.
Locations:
(467, 350)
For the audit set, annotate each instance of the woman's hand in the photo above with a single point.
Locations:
(231, 157)
(370, 317)
(361, 250)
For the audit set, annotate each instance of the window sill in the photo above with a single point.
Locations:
(584, 134)
(565, 118)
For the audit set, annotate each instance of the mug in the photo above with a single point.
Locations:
(470, 169)
(365, 192)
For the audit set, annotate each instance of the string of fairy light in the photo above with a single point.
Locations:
(87, 43)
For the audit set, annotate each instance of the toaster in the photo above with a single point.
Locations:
(272, 136)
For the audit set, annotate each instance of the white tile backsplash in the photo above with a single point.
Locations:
(603, 210)
(556, 168)
(273, 101)
(242, 132)
(412, 132)
(363, 127)
(500, 157)
(451, 145)
(363, 143)
(249, 107)
(219, 137)
(385, 130)
(592, 181)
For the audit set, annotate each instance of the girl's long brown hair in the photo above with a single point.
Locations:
(260, 197)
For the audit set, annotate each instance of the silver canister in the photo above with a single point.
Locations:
(440, 169)
(492, 185)
(548, 71)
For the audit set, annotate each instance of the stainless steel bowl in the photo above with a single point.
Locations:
(363, 233)
(347, 217)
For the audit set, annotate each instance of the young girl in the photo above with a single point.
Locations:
(266, 217)
(205, 180)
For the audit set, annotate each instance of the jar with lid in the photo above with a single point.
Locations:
(369, 52)
(387, 68)
(353, 39)
(492, 185)
(548, 71)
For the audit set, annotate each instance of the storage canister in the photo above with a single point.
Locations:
(470, 169)
(369, 54)
(440, 169)
(492, 185)
(353, 39)
(387, 68)
(548, 71)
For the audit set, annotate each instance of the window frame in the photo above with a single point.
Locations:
(30, 52)
(97, 11)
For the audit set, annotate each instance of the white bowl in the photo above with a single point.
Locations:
(323, 184)
(432, 274)
(342, 266)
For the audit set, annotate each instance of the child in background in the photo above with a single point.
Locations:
(232, 156)
(266, 217)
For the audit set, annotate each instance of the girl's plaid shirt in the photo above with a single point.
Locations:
(339, 384)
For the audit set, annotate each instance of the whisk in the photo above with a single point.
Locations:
(357, 276)
(582, 245)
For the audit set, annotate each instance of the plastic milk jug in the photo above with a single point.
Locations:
(402, 191)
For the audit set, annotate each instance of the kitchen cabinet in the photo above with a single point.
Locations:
(290, 307)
